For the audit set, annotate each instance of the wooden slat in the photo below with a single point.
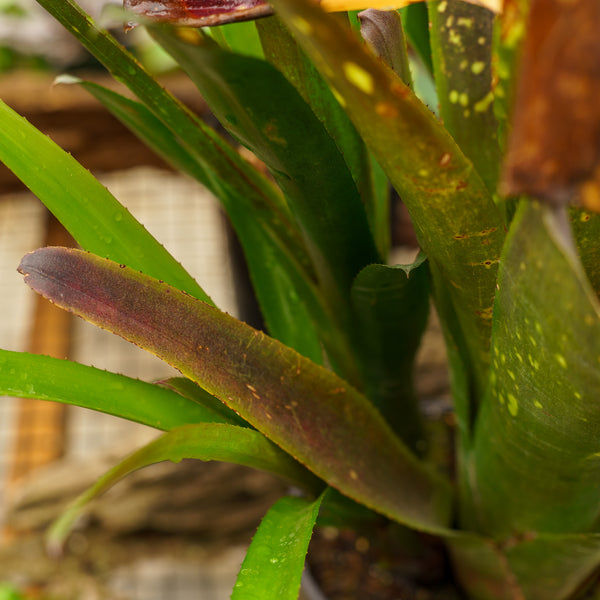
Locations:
(40, 435)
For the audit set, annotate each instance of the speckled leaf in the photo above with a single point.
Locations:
(536, 463)
(461, 42)
(204, 441)
(259, 106)
(457, 223)
(26, 375)
(391, 306)
(274, 563)
(307, 410)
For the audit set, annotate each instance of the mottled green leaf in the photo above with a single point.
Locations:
(44, 378)
(307, 410)
(536, 460)
(391, 306)
(461, 42)
(274, 563)
(458, 225)
(204, 441)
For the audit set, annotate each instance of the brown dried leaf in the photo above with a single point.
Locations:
(554, 148)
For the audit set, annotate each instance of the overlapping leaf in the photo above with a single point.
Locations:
(457, 223)
(257, 104)
(44, 378)
(85, 207)
(204, 442)
(307, 410)
(283, 287)
(391, 306)
(536, 454)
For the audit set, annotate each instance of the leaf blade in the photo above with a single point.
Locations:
(207, 442)
(307, 410)
(275, 560)
(45, 378)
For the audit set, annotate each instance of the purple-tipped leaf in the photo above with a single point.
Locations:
(307, 410)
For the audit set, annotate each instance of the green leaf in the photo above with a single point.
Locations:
(192, 391)
(282, 50)
(274, 563)
(285, 295)
(309, 411)
(534, 566)
(461, 41)
(204, 441)
(542, 473)
(85, 207)
(391, 306)
(45, 378)
(458, 225)
(257, 104)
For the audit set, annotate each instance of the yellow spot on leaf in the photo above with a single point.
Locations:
(561, 360)
(353, 475)
(338, 97)
(442, 6)
(513, 405)
(359, 77)
(477, 67)
(483, 104)
(453, 96)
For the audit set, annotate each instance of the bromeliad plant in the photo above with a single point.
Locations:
(325, 398)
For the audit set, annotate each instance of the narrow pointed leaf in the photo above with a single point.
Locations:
(275, 559)
(85, 207)
(458, 225)
(45, 378)
(391, 306)
(257, 104)
(307, 410)
(543, 472)
(192, 391)
(221, 442)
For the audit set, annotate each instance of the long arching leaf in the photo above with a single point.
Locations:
(309, 411)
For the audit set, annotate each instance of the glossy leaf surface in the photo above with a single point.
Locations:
(536, 449)
(457, 223)
(45, 378)
(275, 560)
(204, 442)
(307, 410)
(391, 306)
(92, 215)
